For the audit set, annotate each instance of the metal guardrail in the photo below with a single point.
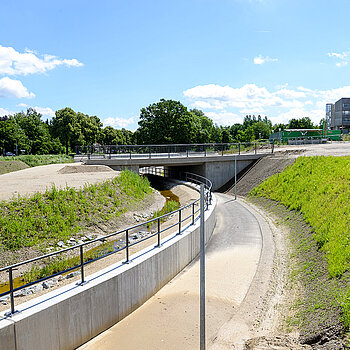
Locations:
(196, 179)
(172, 150)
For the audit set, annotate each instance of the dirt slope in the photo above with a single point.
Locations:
(259, 172)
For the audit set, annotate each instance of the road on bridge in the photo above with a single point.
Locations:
(170, 319)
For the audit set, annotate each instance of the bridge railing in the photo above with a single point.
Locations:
(173, 150)
(83, 256)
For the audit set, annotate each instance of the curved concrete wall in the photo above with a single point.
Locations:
(69, 316)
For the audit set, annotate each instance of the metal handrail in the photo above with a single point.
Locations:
(197, 179)
(170, 150)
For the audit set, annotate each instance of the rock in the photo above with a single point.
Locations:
(61, 244)
(80, 241)
(72, 274)
(88, 238)
(50, 283)
(101, 238)
(4, 298)
(36, 288)
(23, 292)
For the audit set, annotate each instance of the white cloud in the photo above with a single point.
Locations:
(249, 96)
(227, 105)
(4, 112)
(261, 59)
(225, 118)
(13, 62)
(45, 111)
(119, 122)
(13, 88)
(343, 58)
(341, 64)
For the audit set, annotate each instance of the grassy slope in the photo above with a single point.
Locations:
(58, 214)
(318, 188)
(35, 160)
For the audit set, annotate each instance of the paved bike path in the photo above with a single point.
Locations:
(170, 319)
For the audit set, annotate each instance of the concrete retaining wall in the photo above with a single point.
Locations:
(69, 316)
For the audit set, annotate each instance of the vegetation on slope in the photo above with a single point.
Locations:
(58, 214)
(36, 160)
(318, 188)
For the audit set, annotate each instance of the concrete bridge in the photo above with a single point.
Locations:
(216, 162)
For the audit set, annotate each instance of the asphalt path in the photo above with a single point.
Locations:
(170, 319)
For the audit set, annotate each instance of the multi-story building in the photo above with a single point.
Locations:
(329, 113)
(338, 115)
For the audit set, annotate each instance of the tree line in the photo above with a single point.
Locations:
(164, 122)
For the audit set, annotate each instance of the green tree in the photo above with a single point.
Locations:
(64, 126)
(302, 123)
(34, 134)
(261, 130)
(88, 130)
(280, 127)
(204, 127)
(165, 122)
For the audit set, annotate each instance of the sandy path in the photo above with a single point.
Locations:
(38, 179)
(327, 149)
(170, 319)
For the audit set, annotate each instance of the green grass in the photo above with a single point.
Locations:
(59, 214)
(168, 208)
(56, 265)
(36, 160)
(319, 188)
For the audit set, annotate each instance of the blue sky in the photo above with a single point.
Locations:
(280, 58)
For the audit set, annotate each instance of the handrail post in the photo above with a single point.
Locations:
(193, 213)
(222, 149)
(82, 264)
(239, 148)
(180, 222)
(255, 147)
(12, 297)
(127, 246)
(158, 232)
(202, 326)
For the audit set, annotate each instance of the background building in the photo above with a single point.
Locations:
(339, 114)
(329, 113)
